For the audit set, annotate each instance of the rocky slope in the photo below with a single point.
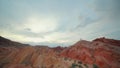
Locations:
(13, 55)
(30, 57)
(6, 43)
(100, 53)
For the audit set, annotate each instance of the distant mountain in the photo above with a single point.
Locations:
(99, 53)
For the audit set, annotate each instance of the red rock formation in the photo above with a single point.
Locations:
(103, 52)
(29, 57)
(108, 41)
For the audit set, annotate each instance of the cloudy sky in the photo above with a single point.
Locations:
(59, 22)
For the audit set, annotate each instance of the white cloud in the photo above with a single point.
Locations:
(41, 24)
(21, 38)
(62, 37)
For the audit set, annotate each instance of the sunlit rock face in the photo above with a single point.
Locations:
(15, 56)
(30, 57)
(100, 53)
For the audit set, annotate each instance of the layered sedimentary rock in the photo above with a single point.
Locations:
(30, 57)
(13, 55)
(99, 53)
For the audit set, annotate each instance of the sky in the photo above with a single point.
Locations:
(59, 22)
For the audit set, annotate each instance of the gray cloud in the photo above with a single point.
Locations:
(104, 8)
(109, 8)
(86, 21)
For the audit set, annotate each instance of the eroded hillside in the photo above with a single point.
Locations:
(99, 53)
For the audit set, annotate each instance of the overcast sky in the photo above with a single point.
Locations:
(59, 22)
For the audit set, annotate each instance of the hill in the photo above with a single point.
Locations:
(99, 53)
